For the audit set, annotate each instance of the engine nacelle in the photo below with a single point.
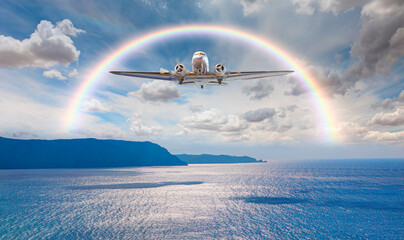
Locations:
(220, 70)
(180, 70)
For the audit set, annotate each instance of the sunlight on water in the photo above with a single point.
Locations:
(319, 199)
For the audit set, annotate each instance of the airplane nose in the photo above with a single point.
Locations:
(198, 61)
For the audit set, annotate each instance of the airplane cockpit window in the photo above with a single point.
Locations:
(200, 54)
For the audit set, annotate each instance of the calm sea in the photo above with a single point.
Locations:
(339, 199)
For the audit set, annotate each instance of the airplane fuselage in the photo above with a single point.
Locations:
(200, 63)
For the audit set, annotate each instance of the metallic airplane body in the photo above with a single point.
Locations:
(200, 74)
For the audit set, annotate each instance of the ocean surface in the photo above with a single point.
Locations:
(329, 199)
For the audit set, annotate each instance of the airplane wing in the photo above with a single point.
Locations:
(153, 75)
(193, 78)
(253, 75)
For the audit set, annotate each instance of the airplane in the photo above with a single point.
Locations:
(200, 74)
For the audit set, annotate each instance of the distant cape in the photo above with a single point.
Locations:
(82, 153)
(207, 158)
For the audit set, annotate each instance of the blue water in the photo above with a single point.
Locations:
(339, 199)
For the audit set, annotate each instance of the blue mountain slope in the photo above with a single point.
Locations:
(82, 153)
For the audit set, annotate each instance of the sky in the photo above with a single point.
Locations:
(353, 49)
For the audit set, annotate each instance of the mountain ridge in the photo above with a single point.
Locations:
(210, 158)
(82, 153)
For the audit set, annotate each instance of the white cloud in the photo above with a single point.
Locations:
(53, 74)
(252, 6)
(49, 45)
(73, 73)
(138, 128)
(308, 6)
(352, 132)
(214, 120)
(67, 28)
(157, 91)
(389, 119)
(397, 137)
(94, 105)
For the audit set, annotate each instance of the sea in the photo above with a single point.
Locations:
(305, 199)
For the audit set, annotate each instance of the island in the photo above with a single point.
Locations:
(208, 158)
(82, 153)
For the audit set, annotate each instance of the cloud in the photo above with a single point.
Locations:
(387, 103)
(214, 120)
(385, 136)
(259, 114)
(137, 127)
(401, 96)
(305, 124)
(196, 108)
(73, 73)
(308, 6)
(378, 46)
(389, 119)
(390, 103)
(352, 132)
(380, 43)
(157, 91)
(331, 81)
(258, 90)
(103, 130)
(49, 45)
(67, 28)
(276, 127)
(94, 105)
(292, 107)
(252, 6)
(53, 74)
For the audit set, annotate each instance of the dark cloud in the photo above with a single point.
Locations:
(258, 90)
(259, 114)
(380, 43)
(283, 127)
(157, 91)
(196, 108)
(281, 113)
(23, 134)
(387, 103)
(304, 125)
(377, 47)
(296, 89)
(47, 46)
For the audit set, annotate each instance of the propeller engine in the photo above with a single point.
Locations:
(180, 70)
(220, 71)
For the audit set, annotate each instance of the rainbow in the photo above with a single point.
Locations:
(318, 95)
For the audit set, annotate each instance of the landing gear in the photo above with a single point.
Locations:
(201, 86)
(180, 81)
(219, 81)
